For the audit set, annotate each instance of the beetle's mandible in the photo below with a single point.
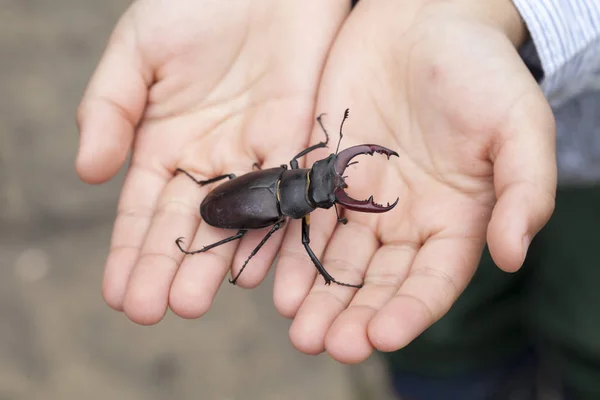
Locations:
(265, 198)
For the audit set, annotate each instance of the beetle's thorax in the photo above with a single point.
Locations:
(323, 180)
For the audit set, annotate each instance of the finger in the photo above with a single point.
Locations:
(138, 199)
(525, 180)
(112, 107)
(176, 214)
(259, 265)
(440, 272)
(295, 272)
(346, 259)
(347, 340)
(276, 132)
(199, 276)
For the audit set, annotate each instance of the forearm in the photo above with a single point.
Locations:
(566, 37)
(562, 30)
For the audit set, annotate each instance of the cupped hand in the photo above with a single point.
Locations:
(441, 83)
(210, 87)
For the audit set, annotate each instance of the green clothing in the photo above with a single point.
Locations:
(552, 303)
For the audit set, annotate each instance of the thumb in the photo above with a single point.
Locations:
(525, 180)
(112, 107)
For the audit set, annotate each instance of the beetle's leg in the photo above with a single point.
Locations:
(255, 165)
(305, 241)
(294, 162)
(238, 235)
(211, 180)
(344, 221)
(267, 236)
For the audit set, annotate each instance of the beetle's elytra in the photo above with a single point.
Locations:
(264, 198)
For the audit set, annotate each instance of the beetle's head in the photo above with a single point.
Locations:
(327, 180)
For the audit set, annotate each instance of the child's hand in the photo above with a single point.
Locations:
(211, 87)
(441, 83)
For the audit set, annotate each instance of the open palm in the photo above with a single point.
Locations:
(475, 137)
(211, 87)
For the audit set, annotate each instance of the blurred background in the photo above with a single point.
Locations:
(58, 339)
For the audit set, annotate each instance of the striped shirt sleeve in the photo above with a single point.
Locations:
(566, 38)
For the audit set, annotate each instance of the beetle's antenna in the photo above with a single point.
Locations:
(341, 126)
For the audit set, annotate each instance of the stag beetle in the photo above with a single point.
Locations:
(264, 198)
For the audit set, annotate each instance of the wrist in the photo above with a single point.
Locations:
(507, 18)
(502, 15)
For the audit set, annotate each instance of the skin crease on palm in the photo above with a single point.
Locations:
(440, 82)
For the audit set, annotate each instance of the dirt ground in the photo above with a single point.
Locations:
(58, 340)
